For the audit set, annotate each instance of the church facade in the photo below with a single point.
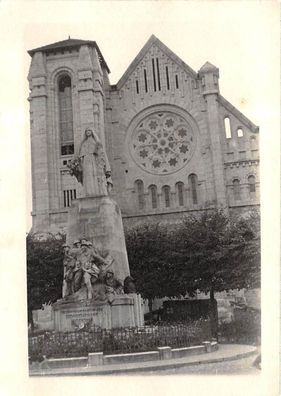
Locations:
(175, 145)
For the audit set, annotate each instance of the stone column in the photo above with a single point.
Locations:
(98, 108)
(39, 141)
(85, 90)
(209, 75)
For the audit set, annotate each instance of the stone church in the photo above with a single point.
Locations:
(174, 144)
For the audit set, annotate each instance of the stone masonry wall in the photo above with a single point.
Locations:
(156, 83)
(134, 100)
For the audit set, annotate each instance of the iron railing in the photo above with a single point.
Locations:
(121, 340)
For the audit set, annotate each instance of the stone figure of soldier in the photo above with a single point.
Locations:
(78, 273)
(89, 267)
(113, 285)
(76, 248)
(129, 285)
(69, 265)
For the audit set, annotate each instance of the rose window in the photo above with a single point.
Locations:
(162, 143)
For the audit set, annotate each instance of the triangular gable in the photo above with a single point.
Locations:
(244, 120)
(154, 41)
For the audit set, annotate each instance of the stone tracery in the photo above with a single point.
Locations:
(162, 143)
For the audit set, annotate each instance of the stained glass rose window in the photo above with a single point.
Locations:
(162, 143)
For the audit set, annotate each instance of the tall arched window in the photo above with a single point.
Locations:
(227, 127)
(153, 196)
(179, 190)
(65, 115)
(236, 189)
(140, 193)
(192, 181)
(252, 185)
(167, 196)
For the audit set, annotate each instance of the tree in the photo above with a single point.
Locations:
(219, 253)
(210, 252)
(149, 248)
(44, 270)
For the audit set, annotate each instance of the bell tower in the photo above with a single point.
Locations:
(67, 81)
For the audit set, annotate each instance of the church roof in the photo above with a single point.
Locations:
(154, 40)
(70, 43)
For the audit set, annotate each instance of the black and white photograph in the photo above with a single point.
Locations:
(141, 147)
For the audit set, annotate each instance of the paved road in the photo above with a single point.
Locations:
(241, 366)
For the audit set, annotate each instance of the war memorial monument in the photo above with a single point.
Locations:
(95, 260)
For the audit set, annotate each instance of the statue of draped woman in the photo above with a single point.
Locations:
(94, 165)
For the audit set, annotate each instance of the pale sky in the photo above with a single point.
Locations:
(240, 37)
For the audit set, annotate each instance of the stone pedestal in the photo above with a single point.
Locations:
(125, 311)
(98, 219)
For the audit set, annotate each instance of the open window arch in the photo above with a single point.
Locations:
(227, 127)
(240, 132)
(64, 84)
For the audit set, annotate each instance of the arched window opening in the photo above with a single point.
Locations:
(252, 184)
(192, 181)
(167, 78)
(167, 196)
(177, 81)
(179, 189)
(236, 190)
(253, 141)
(240, 132)
(145, 80)
(227, 128)
(140, 193)
(153, 196)
(65, 115)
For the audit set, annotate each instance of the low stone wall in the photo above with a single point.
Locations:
(131, 357)
(99, 359)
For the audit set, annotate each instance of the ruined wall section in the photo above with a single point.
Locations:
(241, 157)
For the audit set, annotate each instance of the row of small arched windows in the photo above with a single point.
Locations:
(166, 193)
(237, 187)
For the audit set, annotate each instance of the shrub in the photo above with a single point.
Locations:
(245, 329)
(122, 340)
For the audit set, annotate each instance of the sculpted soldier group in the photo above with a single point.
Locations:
(83, 265)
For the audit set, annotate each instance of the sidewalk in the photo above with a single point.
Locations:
(224, 353)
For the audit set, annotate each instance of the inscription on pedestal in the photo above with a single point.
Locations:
(79, 317)
(83, 313)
